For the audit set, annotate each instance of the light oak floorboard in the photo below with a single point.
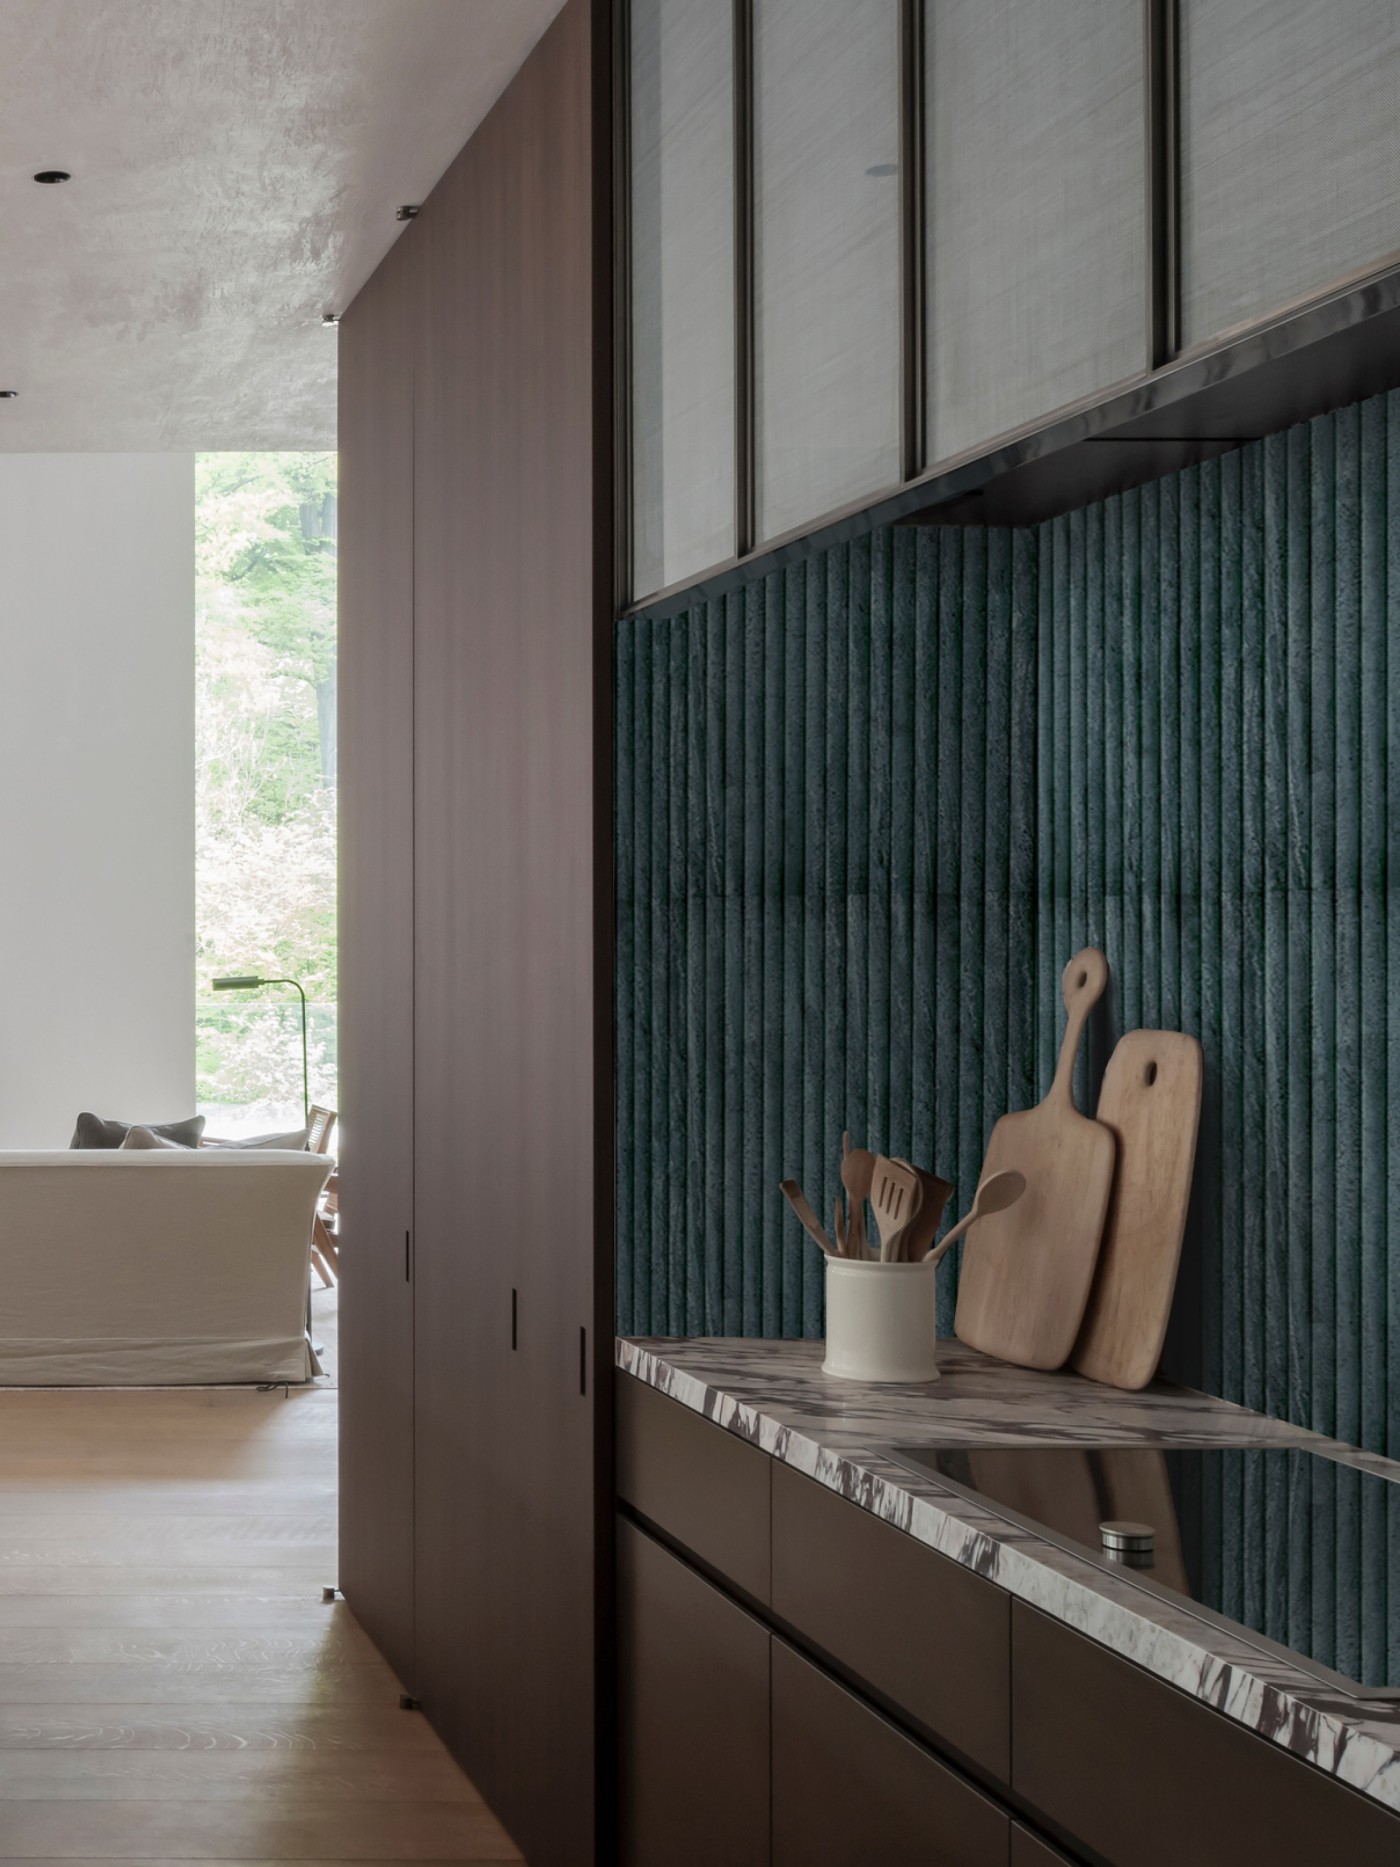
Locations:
(172, 1687)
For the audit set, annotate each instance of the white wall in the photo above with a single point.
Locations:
(96, 791)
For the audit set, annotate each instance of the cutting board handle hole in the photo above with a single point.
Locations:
(1149, 1075)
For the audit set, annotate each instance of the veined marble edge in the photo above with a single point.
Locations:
(1341, 1748)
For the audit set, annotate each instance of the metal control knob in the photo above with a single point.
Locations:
(1131, 1543)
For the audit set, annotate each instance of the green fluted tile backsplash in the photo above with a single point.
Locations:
(869, 805)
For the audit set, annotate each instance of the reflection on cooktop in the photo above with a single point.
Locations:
(1291, 1546)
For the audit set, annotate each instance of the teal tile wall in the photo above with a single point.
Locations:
(869, 805)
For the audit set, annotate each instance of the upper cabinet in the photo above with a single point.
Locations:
(826, 263)
(1290, 152)
(922, 253)
(682, 288)
(1035, 248)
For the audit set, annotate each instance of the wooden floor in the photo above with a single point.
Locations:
(171, 1686)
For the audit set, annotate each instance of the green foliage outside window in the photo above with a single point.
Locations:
(265, 570)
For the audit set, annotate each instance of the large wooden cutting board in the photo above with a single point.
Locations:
(1151, 1099)
(1027, 1271)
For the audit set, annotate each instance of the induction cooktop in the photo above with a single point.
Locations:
(1289, 1549)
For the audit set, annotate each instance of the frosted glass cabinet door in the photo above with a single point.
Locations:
(1290, 152)
(682, 226)
(1034, 188)
(826, 255)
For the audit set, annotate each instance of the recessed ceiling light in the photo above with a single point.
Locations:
(8, 395)
(406, 213)
(53, 175)
(330, 319)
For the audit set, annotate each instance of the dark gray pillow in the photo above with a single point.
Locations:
(95, 1131)
(296, 1140)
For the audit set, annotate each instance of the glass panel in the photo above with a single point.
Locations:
(682, 290)
(1290, 164)
(1035, 149)
(826, 255)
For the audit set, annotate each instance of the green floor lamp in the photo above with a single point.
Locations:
(246, 983)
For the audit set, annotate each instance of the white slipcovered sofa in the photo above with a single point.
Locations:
(136, 1268)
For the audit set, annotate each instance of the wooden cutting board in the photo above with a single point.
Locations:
(1151, 1099)
(1026, 1272)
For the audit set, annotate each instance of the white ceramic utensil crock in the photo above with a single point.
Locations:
(880, 1321)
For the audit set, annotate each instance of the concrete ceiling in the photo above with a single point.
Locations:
(236, 166)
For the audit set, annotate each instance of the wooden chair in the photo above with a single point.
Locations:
(325, 1238)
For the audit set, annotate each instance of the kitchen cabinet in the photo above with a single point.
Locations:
(1096, 1743)
(1290, 153)
(930, 1638)
(476, 829)
(693, 1710)
(912, 1710)
(1035, 247)
(826, 210)
(848, 1787)
(681, 328)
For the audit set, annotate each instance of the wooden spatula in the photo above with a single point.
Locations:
(857, 1172)
(1027, 1271)
(895, 1195)
(1151, 1100)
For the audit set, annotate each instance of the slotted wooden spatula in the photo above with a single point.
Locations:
(1027, 1271)
(1151, 1099)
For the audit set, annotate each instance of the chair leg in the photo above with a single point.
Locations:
(323, 1253)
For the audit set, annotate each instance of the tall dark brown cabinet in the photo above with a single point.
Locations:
(476, 560)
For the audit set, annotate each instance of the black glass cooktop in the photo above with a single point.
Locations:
(1297, 1550)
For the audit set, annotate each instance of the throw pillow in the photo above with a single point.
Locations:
(147, 1138)
(95, 1131)
(296, 1140)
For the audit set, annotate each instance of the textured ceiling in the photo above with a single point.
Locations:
(236, 166)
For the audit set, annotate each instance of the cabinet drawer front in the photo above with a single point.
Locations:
(849, 1789)
(922, 1632)
(693, 1716)
(698, 1483)
(1147, 1777)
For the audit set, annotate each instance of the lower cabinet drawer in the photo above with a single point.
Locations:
(693, 1716)
(1146, 1777)
(849, 1789)
(924, 1633)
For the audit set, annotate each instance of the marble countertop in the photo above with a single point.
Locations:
(775, 1395)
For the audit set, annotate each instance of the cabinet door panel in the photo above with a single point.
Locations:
(921, 1631)
(848, 1788)
(512, 424)
(826, 255)
(693, 1706)
(1147, 1777)
(376, 955)
(682, 247)
(1034, 196)
(1290, 152)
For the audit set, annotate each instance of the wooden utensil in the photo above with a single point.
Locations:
(895, 1194)
(1027, 1273)
(857, 1173)
(993, 1195)
(917, 1236)
(1151, 1101)
(840, 1216)
(811, 1224)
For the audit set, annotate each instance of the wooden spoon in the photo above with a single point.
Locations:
(995, 1194)
(895, 1196)
(840, 1227)
(810, 1223)
(857, 1174)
